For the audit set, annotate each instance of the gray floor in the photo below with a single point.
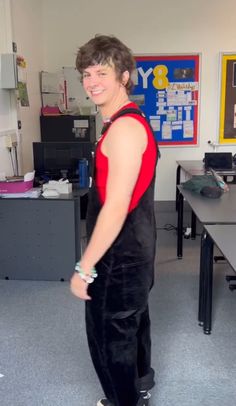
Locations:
(44, 360)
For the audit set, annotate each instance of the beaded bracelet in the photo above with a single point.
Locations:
(88, 278)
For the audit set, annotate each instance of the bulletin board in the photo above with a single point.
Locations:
(166, 88)
(227, 125)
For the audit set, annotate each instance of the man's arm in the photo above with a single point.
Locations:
(124, 147)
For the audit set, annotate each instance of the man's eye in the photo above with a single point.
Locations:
(85, 75)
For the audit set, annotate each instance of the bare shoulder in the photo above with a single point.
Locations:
(126, 131)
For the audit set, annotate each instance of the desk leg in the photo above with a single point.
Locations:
(177, 183)
(180, 227)
(208, 283)
(201, 298)
(193, 226)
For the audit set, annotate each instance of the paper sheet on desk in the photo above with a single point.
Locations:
(32, 193)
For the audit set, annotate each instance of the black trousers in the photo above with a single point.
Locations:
(118, 329)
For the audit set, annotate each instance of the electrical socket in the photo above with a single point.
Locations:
(10, 140)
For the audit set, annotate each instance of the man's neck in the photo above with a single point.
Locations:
(108, 111)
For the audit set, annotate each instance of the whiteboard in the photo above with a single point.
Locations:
(75, 92)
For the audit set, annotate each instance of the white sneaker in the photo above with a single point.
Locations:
(104, 402)
(143, 401)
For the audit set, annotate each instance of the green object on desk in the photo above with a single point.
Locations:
(198, 182)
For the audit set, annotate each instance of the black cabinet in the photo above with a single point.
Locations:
(66, 128)
(40, 238)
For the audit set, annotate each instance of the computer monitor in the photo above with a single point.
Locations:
(218, 160)
(54, 160)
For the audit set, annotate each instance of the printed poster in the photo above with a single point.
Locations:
(167, 90)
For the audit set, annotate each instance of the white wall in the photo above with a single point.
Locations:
(27, 33)
(21, 22)
(7, 99)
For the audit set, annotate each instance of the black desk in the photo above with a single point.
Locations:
(192, 168)
(224, 236)
(40, 238)
(208, 211)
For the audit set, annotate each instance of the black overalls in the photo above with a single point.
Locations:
(117, 317)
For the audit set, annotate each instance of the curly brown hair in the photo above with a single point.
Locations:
(107, 49)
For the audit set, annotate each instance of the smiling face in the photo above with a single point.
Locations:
(102, 85)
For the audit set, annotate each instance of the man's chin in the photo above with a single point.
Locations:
(98, 103)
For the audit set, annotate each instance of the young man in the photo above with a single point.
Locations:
(121, 230)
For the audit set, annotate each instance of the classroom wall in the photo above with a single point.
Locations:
(48, 33)
(27, 33)
(21, 21)
(151, 26)
(7, 101)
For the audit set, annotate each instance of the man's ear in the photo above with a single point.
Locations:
(125, 77)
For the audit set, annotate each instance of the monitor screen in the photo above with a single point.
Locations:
(218, 160)
(55, 160)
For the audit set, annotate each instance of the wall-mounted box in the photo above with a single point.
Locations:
(8, 71)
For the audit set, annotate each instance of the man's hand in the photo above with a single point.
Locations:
(79, 287)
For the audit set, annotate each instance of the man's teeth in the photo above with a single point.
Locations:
(96, 91)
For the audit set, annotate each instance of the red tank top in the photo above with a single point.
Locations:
(146, 170)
